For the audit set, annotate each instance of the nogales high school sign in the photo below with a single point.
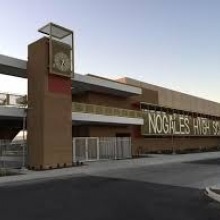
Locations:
(162, 123)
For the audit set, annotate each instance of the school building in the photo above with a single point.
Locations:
(71, 117)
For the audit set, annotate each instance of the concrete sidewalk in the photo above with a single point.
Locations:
(91, 168)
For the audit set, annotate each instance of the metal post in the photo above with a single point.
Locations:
(115, 148)
(87, 149)
(97, 144)
(173, 149)
(23, 144)
(74, 150)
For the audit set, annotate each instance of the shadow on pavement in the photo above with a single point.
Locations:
(215, 161)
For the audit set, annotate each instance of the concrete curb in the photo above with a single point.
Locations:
(211, 194)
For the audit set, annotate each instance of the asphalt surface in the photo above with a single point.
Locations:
(170, 191)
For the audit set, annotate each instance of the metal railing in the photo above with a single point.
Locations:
(105, 110)
(21, 101)
(13, 100)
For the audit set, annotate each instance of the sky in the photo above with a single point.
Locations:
(169, 43)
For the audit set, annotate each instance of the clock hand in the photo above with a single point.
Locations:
(63, 65)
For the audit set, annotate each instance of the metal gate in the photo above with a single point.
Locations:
(12, 155)
(101, 148)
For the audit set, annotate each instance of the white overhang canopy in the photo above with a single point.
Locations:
(86, 83)
(80, 83)
(12, 66)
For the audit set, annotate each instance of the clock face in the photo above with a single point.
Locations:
(60, 59)
(62, 62)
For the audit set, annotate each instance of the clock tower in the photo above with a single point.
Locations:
(50, 72)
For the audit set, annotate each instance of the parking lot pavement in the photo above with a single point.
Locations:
(97, 198)
(172, 189)
(176, 174)
(94, 168)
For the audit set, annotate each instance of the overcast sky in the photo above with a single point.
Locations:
(170, 43)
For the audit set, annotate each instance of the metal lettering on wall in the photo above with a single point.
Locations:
(162, 123)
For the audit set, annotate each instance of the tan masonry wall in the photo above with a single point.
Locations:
(49, 120)
(103, 99)
(154, 95)
(166, 144)
(178, 100)
(117, 101)
(141, 145)
(108, 130)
